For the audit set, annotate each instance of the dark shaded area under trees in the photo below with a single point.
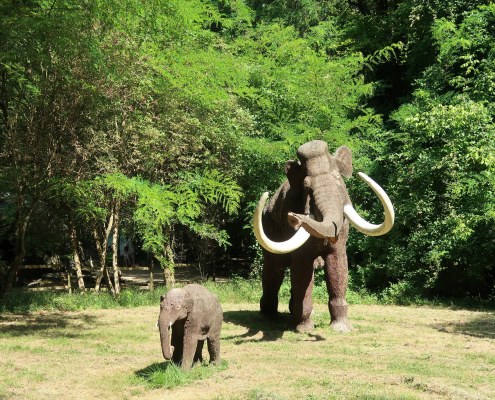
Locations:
(162, 123)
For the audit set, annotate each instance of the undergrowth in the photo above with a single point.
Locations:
(235, 291)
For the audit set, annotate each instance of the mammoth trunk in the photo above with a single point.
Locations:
(164, 327)
(327, 215)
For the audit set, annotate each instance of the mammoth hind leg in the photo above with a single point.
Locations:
(336, 276)
(198, 356)
(214, 350)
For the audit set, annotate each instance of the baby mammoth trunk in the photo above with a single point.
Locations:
(167, 349)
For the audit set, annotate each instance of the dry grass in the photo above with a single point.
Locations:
(393, 353)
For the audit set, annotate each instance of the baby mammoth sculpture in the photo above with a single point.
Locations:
(194, 315)
(314, 202)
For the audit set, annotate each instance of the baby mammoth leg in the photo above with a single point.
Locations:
(177, 342)
(214, 349)
(198, 356)
(190, 347)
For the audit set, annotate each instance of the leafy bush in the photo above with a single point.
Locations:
(439, 160)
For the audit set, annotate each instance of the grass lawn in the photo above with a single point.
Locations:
(394, 352)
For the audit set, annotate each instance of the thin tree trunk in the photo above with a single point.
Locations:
(102, 253)
(109, 280)
(101, 247)
(75, 254)
(168, 268)
(115, 250)
(151, 287)
(69, 283)
(22, 221)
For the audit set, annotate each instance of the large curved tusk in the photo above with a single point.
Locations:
(362, 225)
(292, 244)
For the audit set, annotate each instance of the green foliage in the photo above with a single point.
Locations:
(440, 160)
(466, 56)
(158, 207)
(172, 109)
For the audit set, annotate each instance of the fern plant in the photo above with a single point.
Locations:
(160, 207)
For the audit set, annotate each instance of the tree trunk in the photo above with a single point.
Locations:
(20, 248)
(115, 250)
(152, 287)
(168, 277)
(101, 247)
(168, 268)
(75, 254)
(69, 283)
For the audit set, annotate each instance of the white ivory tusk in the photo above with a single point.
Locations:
(287, 246)
(364, 226)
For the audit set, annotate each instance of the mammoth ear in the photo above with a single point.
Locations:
(343, 156)
(294, 172)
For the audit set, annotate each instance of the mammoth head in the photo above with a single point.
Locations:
(318, 174)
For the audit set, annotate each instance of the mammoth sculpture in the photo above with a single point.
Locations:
(194, 315)
(306, 224)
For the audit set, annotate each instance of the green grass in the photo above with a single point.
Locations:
(235, 291)
(394, 352)
(22, 301)
(167, 375)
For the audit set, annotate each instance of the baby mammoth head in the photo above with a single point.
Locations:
(177, 303)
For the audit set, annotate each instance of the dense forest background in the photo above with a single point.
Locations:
(161, 123)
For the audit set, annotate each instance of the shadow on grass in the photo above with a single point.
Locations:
(167, 375)
(271, 329)
(481, 327)
(45, 325)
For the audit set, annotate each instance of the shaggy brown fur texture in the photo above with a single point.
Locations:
(313, 196)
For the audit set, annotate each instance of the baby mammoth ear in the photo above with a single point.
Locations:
(188, 302)
(343, 155)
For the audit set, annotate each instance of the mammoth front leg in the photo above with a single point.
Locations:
(190, 348)
(274, 266)
(336, 277)
(177, 341)
(301, 302)
(198, 356)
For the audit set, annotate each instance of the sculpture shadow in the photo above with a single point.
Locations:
(480, 327)
(15, 325)
(256, 323)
